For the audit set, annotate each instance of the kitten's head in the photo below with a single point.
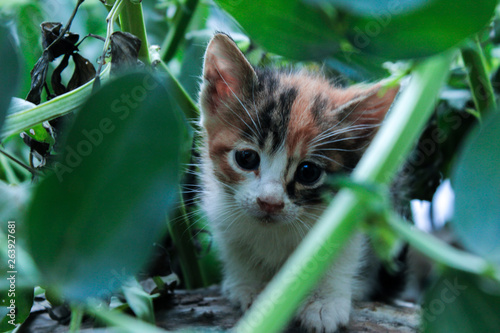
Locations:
(272, 137)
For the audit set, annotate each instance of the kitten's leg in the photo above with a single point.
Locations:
(329, 306)
(242, 281)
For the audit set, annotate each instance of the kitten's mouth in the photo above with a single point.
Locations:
(268, 219)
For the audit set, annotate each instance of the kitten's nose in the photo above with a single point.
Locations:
(270, 205)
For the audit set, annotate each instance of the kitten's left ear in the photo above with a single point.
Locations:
(226, 72)
(371, 105)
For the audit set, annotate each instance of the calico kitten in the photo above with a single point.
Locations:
(270, 139)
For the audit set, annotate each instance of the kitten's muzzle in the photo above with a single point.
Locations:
(270, 206)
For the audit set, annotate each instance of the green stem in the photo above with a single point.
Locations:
(10, 175)
(76, 319)
(186, 103)
(110, 22)
(132, 20)
(122, 322)
(277, 303)
(441, 252)
(178, 29)
(19, 162)
(186, 252)
(480, 84)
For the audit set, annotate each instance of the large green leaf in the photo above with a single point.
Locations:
(312, 29)
(477, 192)
(462, 302)
(370, 7)
(9, 71)
(412, 29)
(286, 27)
(92, 223)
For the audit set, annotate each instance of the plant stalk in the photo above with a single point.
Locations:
(76, 319)
(441, 252)
(186, 102)
(183, 242)
(19, 162)
(10, 175)
(480, 84)
(277, 303)
(132, 20)
(178, 29)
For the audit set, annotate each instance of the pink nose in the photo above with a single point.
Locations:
(270, 207)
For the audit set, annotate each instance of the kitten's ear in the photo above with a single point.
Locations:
(370, 105)
(226, 72)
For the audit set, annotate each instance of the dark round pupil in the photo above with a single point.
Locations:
(308, 173)
(247, 159)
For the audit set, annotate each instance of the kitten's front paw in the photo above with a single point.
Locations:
(325, 315)
(243, 297)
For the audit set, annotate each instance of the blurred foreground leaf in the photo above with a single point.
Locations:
(477, 192)
(92, 223)
(393, 30)
(411, 29)
(289, 28)
(9, 72)
(462, 302)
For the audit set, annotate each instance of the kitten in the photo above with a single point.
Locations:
(270, 139)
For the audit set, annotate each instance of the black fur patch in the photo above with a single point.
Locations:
(318, 109)
(390, 284)
(275, 115)
(282, 117)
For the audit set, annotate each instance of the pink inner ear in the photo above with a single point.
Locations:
(227, 86)
(222, 89)
(376, 107)
(218, 73)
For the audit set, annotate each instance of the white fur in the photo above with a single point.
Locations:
(253, 251)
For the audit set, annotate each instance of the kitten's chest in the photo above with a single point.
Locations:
(268, 246)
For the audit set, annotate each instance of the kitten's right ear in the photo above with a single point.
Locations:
(226, 73)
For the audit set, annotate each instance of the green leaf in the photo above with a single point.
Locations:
(462, 302)
(9, 72)
(41, 134)
(289, 28)
(357, 67)
(369, 7)
(411, 30)
(92, 223)
(388, 29)
(16, 312)
(476, 182)
(139, 301)
(22, 117)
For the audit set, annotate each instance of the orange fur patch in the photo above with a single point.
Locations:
(302, 127)
(220, 143)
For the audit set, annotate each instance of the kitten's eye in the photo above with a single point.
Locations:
(308, 173)
(247, 159)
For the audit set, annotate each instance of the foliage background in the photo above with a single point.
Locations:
(63, 242)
